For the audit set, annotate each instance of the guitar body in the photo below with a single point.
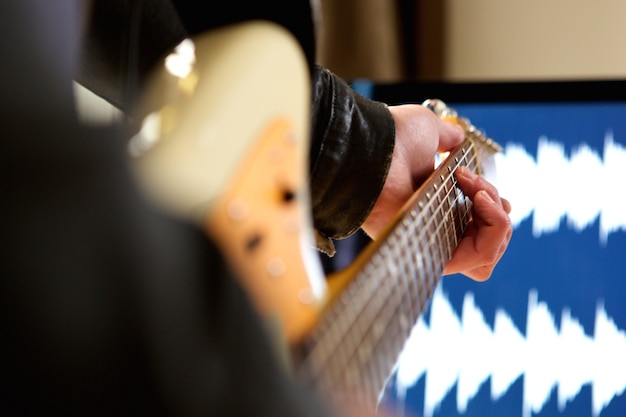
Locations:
(224, 143)
(230, 152)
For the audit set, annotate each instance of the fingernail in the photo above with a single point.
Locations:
(484, 194)
(466, 172)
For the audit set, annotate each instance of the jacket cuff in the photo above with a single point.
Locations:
(353, 141)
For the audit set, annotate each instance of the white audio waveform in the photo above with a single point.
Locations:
(580, 188)
(465, 351)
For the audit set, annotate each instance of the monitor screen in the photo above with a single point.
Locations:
(546, 335)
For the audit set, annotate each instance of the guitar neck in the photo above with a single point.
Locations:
(346, 332)
(355, 346)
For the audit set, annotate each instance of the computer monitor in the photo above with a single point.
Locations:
(546, 335)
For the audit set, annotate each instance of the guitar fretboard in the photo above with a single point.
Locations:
(354, 348)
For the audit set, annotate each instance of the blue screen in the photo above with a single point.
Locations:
(546, 335)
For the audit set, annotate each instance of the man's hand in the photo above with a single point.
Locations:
(488, 232)
(420, 134)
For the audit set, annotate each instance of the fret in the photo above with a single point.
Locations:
(453, 217)
(359, 359)
(427, 276)
(427, 246)
(436, 222)
(338, 322)
(378, 302)
(447, 188)
(426, 262)
(357, 341)
(442, 218)
(450, 215)
(434, 246)
(378, 374)
(451, 221)
(361, 323)
(400, 328)
(403, 284)
(411, 269)
(419, 265)
(379, 346)
(414, 265)
(444, 226)
(458, 215)
(377, 367)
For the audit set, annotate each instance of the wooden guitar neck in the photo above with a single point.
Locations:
(356, 344)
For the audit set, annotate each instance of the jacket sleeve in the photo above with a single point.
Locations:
(352, 144)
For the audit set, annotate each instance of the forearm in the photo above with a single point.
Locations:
(352, 145)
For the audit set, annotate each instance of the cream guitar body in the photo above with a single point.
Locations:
(225, 143)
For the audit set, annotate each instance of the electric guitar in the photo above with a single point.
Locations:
(224, 142)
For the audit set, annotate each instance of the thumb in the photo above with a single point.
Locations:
(450, 135)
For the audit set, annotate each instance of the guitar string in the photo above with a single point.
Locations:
(424, 229)
(452, 211)
(462, 208)
(378, 372)
(392, 314)
(364, 317)
(453, 204)
(391, 317)
(400, 291)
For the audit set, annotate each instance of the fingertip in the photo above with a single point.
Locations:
(465, 172)
(506, 205)
(460, 132)
(457, 134)
(452, 134)
(487, 208)
(484, 195)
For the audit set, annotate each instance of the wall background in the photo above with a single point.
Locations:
(474, 40)
(534, 39)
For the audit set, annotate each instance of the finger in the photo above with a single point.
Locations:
(506, 205)
(493, 237)
(484, 272)
(493, 216)
(450, 135)
(470, 184)
(486, 241)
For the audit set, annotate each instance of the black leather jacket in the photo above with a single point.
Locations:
(352, 137)
(352, 145)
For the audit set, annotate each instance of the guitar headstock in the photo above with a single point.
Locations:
(485, 146)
